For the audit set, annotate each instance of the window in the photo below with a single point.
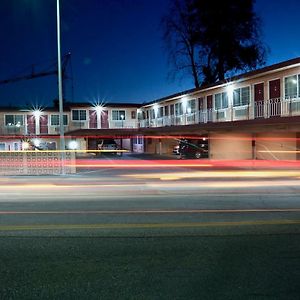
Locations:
(14, 120)
(178, 109)
(152, 113)
(191, 106)
(133, 114)
(160, 112)
(241, 96)
(118, 115)
(79, 115)
(2, 146)
(166, 110)
(54, 120)
(221, 101)
(172, 109)
(291, 86)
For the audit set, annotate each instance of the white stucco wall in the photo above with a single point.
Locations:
(227, 146)
(276, 146)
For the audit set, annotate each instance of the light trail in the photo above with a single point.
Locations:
(158, 211)
(217, 174)
(144, 225)
(189, 163)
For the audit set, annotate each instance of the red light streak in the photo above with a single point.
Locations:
(228, 164)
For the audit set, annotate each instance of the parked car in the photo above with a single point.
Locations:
(108, 144)
(193, 148)
(176, 150)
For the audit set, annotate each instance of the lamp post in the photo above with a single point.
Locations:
(60, 95)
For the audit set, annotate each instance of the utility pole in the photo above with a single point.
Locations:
(60, 95)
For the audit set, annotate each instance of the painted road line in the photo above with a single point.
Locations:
(158, 211)
(143, 225)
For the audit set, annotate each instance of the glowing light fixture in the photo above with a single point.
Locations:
(37, 113)
(73, 145)
(229, 89)
(36, 142)
(184, 101)
(98, 108)
(155, 107)
(25, 145)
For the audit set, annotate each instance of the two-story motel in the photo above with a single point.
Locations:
(255, 115)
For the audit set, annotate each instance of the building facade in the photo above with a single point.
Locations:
(255, 115)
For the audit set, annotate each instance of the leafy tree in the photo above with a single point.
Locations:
(223, 37)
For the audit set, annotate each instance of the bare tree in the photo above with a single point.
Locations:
(180, 39)
(210, 40)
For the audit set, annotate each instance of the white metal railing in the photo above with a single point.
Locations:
(291, 106)
(273, 107)
(259, 109)
(191, 118)
(122, 124)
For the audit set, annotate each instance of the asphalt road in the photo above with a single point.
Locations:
(159, 233)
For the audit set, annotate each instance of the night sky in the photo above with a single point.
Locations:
(117, 49)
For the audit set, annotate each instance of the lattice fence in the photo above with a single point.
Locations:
(35, 163)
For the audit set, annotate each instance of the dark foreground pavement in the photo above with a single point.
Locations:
(259, 266)
(150, 235)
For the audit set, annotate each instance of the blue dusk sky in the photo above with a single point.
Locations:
(117, 49)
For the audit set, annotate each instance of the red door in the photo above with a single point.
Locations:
(274, 101)
(209, 108)
(259, 92)
(104, 119)
(30, 124)
(209, 102)
(201, 103)
(44, 124)
(259, 100)
(92, 119)
(274, 89)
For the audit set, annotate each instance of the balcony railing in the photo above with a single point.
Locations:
(122, 124)
(260, 109)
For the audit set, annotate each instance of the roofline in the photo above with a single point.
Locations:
(104, 104)
(238, 78)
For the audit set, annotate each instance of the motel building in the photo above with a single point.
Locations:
(255, 115)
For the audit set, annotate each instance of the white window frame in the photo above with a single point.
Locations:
(58, 120)
(14, 115)
(119, 114)
(80, 120)
(188, 105)
(221, 108)
(240, 88)
(298, 86)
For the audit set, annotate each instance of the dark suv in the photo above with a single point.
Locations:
(196, 148)
(108, 144)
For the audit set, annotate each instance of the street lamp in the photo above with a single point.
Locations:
(37, 115)
(60, 96)
(99, 110)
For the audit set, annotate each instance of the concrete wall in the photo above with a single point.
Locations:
(276, 146)
(160, 146)
(35, 163)
(227, 146)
